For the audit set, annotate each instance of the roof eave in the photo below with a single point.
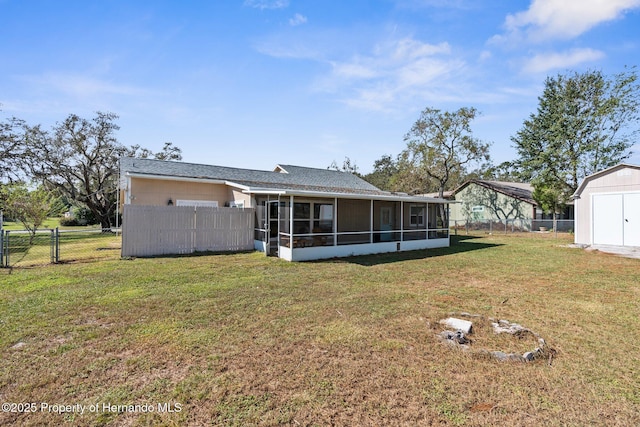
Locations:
(332, 194)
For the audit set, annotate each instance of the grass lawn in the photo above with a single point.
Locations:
(247, 340)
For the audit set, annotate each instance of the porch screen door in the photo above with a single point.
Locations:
(386, 223)
(272, 223)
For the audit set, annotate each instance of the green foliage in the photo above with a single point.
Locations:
(79, 158)
(58, 207)
(549, 198)
(440, 146)
(11, 150)
(347, 166)
(384, 172)
(168, 152)
(29, 207)
(585, 122)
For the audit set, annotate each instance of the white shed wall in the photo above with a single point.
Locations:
(619, 180)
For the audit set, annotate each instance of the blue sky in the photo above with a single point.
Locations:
(253, 83)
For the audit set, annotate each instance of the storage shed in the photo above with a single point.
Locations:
(607, 207)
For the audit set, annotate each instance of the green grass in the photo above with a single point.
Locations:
(247, 340)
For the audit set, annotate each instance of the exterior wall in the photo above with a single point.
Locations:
(239, 196)
(354, 215)
(495, 205)
(157, 192)
(618, 180)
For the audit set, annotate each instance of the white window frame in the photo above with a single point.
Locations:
(420, 217)
(198, 203)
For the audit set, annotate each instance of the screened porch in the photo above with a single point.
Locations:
(303, 228)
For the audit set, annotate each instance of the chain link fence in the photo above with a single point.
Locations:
(21, 248)
(512, 226)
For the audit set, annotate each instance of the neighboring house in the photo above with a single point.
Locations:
(608, 207)
(480, 200)
(499, 201)
(300, 213)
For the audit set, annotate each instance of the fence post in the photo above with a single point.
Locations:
(7, 252)
(52, 247)
(57, 245)
(1, 247)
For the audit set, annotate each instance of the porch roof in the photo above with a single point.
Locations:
(379, 195)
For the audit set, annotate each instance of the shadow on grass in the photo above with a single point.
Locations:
(459, 244)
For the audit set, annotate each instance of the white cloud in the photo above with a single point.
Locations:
(267, 4)
(297, 20)
(562, 19)
(485, 55)
(542, 63)
(81, 86)
(394, 73)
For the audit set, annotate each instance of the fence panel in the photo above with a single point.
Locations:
(224, 230)
(174, 230)
(22, 248)
(82, 245)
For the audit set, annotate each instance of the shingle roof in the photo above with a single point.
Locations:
(283, 177)
(517, 190)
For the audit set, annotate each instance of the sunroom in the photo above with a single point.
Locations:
(305, 226)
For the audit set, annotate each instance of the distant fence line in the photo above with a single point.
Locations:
(513, 225)
(170, 230)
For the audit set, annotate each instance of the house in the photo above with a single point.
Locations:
(608, 207)
(300, 213)
(504, 202)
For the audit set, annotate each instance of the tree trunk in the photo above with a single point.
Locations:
(105, 224)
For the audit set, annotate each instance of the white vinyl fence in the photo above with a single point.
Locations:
(173, 230)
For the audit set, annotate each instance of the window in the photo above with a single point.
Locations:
(312, 217)
(322, 218)
(301, 218)
(416, 216)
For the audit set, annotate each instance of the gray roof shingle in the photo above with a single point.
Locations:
(284, 176)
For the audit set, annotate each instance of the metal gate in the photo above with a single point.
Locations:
(41, 247)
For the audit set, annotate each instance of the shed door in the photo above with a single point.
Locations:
(608, 220)
(632, 219)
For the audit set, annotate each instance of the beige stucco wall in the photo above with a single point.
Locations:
(157, 192)
(618, 180)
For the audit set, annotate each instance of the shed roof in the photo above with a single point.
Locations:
(603, 172)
